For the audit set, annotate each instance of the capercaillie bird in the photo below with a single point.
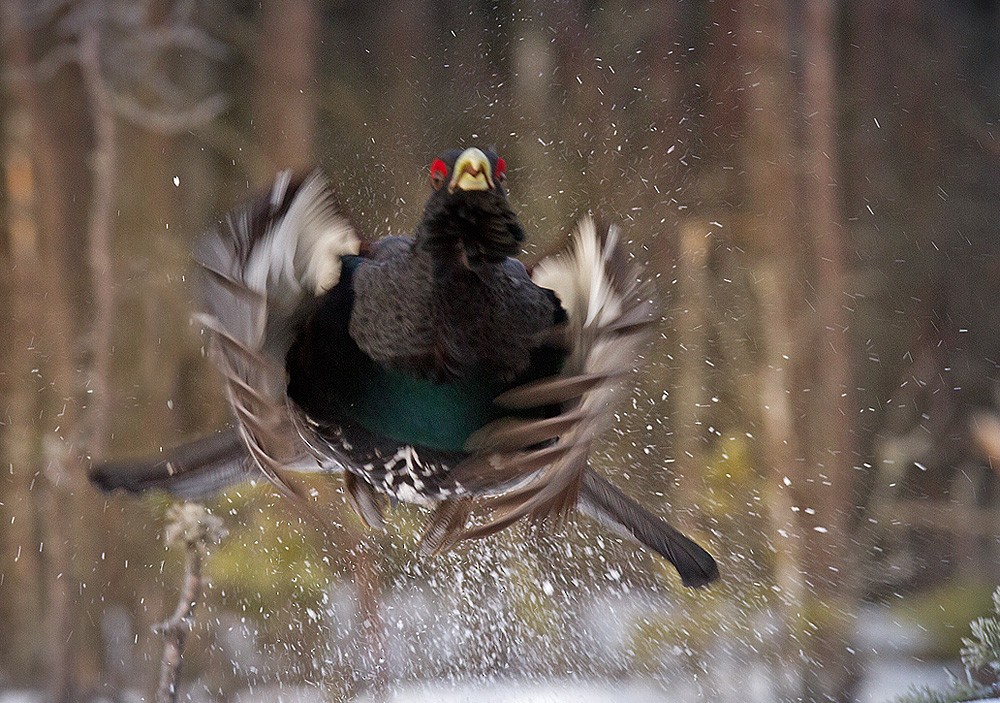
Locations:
(433, 369)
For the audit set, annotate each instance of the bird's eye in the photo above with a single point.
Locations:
(439, 172)
(500, 173)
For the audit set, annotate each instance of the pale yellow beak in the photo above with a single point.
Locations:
(472, 172)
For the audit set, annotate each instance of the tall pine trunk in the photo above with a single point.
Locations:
(804, 384)
(285, 102)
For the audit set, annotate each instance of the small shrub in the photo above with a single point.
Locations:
(980, 656)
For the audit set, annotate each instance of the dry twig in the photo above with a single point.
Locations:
(191, 525)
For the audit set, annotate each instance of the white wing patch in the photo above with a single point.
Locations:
(302, 251)
(581, 278)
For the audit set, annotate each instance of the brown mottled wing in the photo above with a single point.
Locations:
(536, 467)
(265, 266)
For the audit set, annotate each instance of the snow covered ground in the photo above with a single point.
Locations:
(527, 692)
(888, 679)
(893, 667)
(889, 645)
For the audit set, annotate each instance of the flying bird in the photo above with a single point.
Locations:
(434, 369)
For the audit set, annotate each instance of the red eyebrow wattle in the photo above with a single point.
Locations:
(439, 168)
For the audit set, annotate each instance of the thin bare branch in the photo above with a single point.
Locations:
(99, 235)
(191, 525)
(46, 67)
(170, 122)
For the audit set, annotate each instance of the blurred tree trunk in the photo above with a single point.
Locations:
(104, 189)
(286, 108)
(832, 573)
(285, 102)
(55, 337)
(20, 567)
(533, 63)
(152, 231)
(804, 383)
(691, 391)
(770, 194)
(401, 43)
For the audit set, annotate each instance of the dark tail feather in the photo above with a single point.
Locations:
(193, 470)
(612, 508)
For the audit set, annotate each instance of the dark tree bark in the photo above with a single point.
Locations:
(54, 344)
(691, 393)
(285, 108)
(832, 572)
(804, 378)
(20, 564)
(104, 189)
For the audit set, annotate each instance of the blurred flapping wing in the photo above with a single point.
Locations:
(266, 264)
(536, 467)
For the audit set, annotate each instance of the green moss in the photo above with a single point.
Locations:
(729, 475)
(828, 615)
(533, 612)
(268, 561)
(945, 613)
(650, 636)
(697, 621)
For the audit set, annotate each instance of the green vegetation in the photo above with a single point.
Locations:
(944, 613)
(981, 659)
(981, 652)
(961, 691)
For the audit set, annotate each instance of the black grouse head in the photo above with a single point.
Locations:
(468, 218)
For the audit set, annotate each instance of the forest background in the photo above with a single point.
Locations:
(814, 184)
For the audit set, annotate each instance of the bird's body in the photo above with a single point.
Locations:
(433, 369)
(400, 393)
